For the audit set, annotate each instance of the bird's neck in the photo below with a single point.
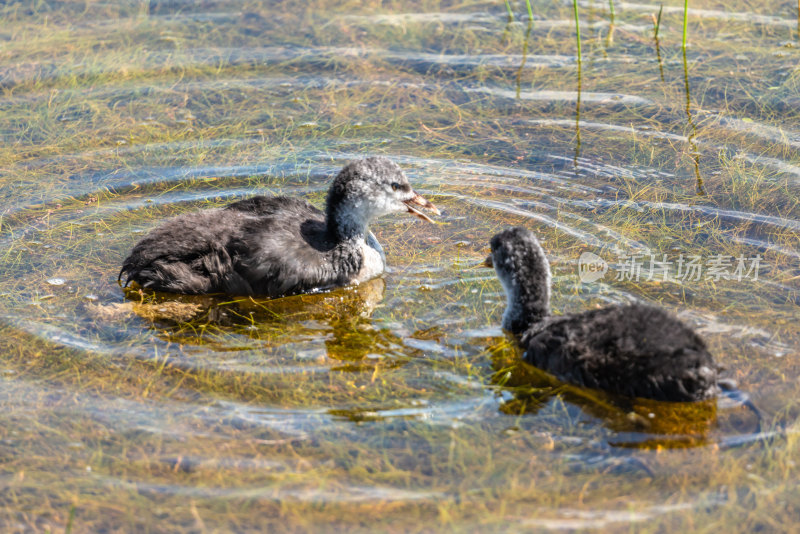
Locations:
(347, 223)
(527, 302)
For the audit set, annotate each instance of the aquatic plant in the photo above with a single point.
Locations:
(694, 154)
(611, 26)
(656, 27)
(510, 13)
(580, 80)
(685, 23)
(577, 31)
(524, 56)
(657, 21)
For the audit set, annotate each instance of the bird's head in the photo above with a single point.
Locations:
(369, 188)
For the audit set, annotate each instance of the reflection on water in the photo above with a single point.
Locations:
(636, 423)
(341, 317)
(357, 303)
(399, 402)
(524, 55)
(656, 28)
(580, 78)
(692, 145)
(578, 119)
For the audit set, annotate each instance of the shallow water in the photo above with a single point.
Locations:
(398, 405)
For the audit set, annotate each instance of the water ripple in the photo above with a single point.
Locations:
(566, 96)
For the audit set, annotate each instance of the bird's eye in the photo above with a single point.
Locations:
(395, 186)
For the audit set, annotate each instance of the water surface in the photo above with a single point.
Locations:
(398, 405)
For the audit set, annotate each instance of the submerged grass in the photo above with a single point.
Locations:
(395, 406)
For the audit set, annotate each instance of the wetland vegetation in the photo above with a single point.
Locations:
(398, 405)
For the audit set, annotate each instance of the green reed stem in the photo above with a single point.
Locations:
(530, 10)
(700, 189)
(685, 22)
(577, 30)
(658, 19)
(510, 13)
(656, 27)
(70, 520)
(578, 119)
(611, 9)
(524, 57)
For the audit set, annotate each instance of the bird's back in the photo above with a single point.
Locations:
(287, 249)
(269, 246)
(186, 254)
(635, 350)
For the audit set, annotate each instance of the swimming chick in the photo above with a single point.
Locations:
(634, 350)
(276, 246)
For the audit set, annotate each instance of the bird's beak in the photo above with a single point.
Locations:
(422, 202)
(485, 263)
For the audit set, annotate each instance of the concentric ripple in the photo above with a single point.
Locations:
(398, 404)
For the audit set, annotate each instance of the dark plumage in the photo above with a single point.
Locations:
(275, 246)
(635, 350)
